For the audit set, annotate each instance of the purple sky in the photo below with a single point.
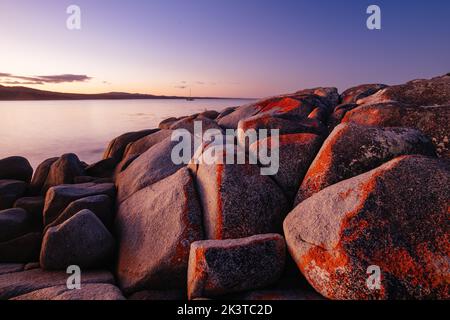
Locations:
(230, 48)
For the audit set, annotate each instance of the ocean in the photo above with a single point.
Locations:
(38, 130)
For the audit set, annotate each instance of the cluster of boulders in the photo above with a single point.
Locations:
(363, 181)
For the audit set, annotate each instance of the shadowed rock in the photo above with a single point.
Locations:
(35, 207)
(81, 240)
(24, 248)
(20, 283)
(10, 191)
(117, 146)
(15, 168)
(40, 176)
(102, 169)
(353, 149)
(394, 217)
(101, 205)
(218, 267)
(64, 170)
(14, 223)
(155, 228)
(58, 198)
(94, 291)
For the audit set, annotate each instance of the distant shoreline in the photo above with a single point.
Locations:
(29, 94)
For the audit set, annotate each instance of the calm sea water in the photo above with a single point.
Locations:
(39, 130)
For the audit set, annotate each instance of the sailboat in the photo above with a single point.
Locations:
(190, 96)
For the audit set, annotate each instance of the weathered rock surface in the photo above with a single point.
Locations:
(64, 170)
(394, 217)
(58, 198)
(155, 228)
(24, 248)
(218, 267)
(101, 205)
(422, 92)
(352, 95)
(90, 291)
(20, 283)
(140, 146)
(285, 126)
(353, 149)
(40, 176)
(237, 200)
(81, 240)
(14, 223)
(15, 168)
(6, 268)
(117, 146)
(152, 166)
(296, 152)
(10, 191)
(433, 121)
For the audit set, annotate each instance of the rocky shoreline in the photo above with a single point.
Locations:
(363, 181)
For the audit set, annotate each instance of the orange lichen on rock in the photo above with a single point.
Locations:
(283, 105)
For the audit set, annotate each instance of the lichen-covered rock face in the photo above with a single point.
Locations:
(237, 200)
(58, 198)
(63, 171)
(218, 267)
(423, 92)
(434, 121)
(10, 191)
(352, 149)
(117, 146)
(156, 227)
(296, 152)
(20, 283)
(15, 168)
(81, 240)
(352, 95)
(394, 217)
(284, 125)
(152, 166)
(291, 107)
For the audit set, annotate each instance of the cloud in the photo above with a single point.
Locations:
(180, 87)
(8, 78)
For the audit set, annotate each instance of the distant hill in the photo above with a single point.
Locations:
(24, 93)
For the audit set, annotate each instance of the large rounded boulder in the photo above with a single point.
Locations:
(392, 220)
(353, 149)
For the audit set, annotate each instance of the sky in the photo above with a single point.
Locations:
(227, 48)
